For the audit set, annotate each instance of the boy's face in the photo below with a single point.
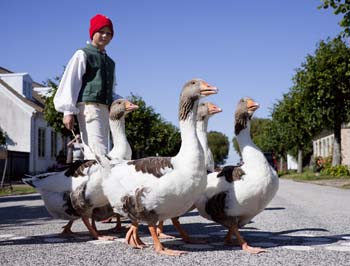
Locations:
(102, 38)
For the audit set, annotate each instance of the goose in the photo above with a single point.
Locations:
(157, 188)
(205, 111)
(234, 204)
(76, 192)
(121, 147)
(68, 194)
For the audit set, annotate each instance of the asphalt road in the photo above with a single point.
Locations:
(305, 224)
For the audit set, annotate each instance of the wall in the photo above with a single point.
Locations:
(345, 146)
(15, 121)
(323, 146)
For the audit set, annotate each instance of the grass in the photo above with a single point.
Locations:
(16, 190)
(309, 176)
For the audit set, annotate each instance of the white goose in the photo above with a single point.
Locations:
(121, 147)
(76, 192)
(205, 111)
(234, 204)
(157, 188)
(68, 194)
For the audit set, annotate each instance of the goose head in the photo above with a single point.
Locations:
(192, 91)
(244, 112)
(206, 110)
(120, 108)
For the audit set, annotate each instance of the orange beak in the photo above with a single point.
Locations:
(252, 105)
(206, 89)
(129, 106)
(213, 109)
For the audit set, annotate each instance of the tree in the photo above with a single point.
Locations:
(340, 7)
(2, 137)
(219, 146)
(323, 85)
(259, 132)
(289, 116)
(148, 134)
(52, 117)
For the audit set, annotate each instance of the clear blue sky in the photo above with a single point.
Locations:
(245, 48)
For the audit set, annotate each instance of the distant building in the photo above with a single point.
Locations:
(323, 144)
(32, 145)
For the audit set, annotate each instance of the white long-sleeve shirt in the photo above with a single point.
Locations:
(68, 90)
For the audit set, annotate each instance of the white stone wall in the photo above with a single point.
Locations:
(345, 145)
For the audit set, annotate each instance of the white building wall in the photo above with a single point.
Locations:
(15, 121)
(41, 164)
(324, 146)
(21, 122)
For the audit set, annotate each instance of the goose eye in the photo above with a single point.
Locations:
(193, 82)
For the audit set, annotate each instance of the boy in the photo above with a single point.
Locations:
(87, 89)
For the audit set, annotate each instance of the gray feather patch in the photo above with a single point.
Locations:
(152, 165)
(136, 211)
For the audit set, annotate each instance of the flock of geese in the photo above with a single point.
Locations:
(151, 190)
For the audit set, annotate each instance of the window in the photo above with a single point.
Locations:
(53, 144)
(27, 89)
(41, 142)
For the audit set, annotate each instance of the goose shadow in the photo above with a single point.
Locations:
(275, 209)
(26, 197)
(309, 237)
(22, 215)
(78, 237)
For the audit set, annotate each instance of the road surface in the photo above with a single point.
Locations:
(305, 224)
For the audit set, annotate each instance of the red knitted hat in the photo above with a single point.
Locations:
(98, 22)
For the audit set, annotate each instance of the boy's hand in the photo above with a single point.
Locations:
(68, 121)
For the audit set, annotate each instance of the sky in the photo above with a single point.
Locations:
(245, 48)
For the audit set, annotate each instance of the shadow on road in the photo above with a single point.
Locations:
(22, 214)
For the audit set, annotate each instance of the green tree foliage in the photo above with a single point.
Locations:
(340, 7)
(289, 116)
(260, 134)
(148, 134)
(219, 146)
(2, 137)
(323, 86)
(52, 117)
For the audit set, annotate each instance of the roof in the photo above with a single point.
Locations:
(33, 104)
(4, 70)
(38, 102)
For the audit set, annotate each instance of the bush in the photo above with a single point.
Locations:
(338, 170)
(2, 137)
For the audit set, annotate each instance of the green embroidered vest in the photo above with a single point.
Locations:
(98, 79)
